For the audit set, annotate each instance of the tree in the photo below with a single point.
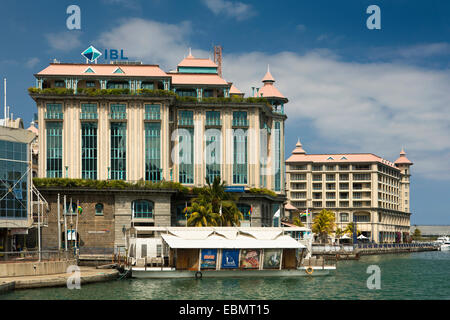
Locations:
(339, 232)
(417, 234)
(298, 222)
(323, 224)
(201, 215)
(349, 229)
(220, 206)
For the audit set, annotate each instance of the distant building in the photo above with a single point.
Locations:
(363, 188)
(15, 186)
(431, 230)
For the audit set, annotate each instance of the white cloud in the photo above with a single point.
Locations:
(237, 10)
(355, 107)
(152, 42)
(32, 62)
(64, 41)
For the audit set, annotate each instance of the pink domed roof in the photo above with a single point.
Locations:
(403, 159)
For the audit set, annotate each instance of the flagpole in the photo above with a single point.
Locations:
(65, 223)
(59, 223)
(76, 226)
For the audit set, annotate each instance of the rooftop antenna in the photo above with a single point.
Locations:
(218, 59)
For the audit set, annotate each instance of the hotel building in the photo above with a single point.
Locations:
(135, 122)
(363, 188)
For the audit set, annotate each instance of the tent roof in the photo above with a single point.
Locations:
(216, 241)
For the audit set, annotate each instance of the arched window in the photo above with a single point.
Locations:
(99, 209)
(142, 209)
(245, 210)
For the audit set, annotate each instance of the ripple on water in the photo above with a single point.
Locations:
(405, 276)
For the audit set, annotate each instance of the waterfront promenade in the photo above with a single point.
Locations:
(88, 275)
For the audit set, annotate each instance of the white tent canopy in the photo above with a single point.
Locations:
(362, 237)
(345, 236)
(215, 241)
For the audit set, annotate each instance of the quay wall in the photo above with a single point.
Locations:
(35, 268)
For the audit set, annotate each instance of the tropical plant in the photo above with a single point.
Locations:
(339, 232)
(298, 222)
(323, 224)
(222, 204)
(200, 214)
(417, 234)
(349, 229)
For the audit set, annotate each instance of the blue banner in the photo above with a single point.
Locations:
(209, 258)
(230, 259)
(235, 189)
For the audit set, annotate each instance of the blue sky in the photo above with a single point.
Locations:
(351, 89)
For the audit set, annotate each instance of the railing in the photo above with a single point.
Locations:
(88, 116)
(213, 122)
(185, 122)
(30, 256)
(152, 116)
(240, 123)
(54, 115)
(118, 115)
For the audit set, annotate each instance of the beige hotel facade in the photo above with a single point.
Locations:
(364, 188)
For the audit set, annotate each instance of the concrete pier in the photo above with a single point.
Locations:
(88, 275)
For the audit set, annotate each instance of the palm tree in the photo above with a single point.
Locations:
(298, 222)
(221, 205)
(349, 229)
(339, 232)
(201, 214)
(323, 224)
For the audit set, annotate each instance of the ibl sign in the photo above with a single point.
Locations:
(92, 54)
(114, 54)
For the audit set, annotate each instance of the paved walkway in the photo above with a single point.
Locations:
(88, 275)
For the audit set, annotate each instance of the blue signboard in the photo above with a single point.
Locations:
(235, 189)
(209, 258)
(230, 259)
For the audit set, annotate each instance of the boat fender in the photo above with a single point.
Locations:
(198, 275)
(309, 270)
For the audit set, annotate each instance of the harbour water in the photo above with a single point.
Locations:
(408, 276)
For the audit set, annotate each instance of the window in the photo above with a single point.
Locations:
(240, 154)
(54, 149)
(298, 177)
(317, 186)
(54, 111)
(208, 93)
(213, 154)
(153, 169)
(343, 167)
(118, 112)
(13, 176)
(99, 209)
(317, 167)
(90, 84)
(186, 118)
(330, 177)
(152, 112)
(117, 85)
(343, 176)
(317, 177)
(245, 210)
(88, 111)
(142, 209)
(344, 217)
(187, 93)
(147, 85)
(240, 119)
(118, 151)
(60, 84)
(89, 150)
(213, 118)
(186, 156)
(331, 167)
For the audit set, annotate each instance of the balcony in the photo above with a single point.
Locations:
(213, 122)
(240, 122)
(185, 122)
(54, 116)
(88, 115)
(117, 115)
(152, 115)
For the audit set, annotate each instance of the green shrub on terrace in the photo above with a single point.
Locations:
(107, 184)
(155, 93)
(263, 191)
(51, 91)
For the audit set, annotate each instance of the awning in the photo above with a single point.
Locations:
(240, 242)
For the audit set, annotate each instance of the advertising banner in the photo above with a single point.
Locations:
(209, 257)
(250, 259)
(272, 259)
(230, 259)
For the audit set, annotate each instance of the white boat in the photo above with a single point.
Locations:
(444, 243)
(207, 252)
